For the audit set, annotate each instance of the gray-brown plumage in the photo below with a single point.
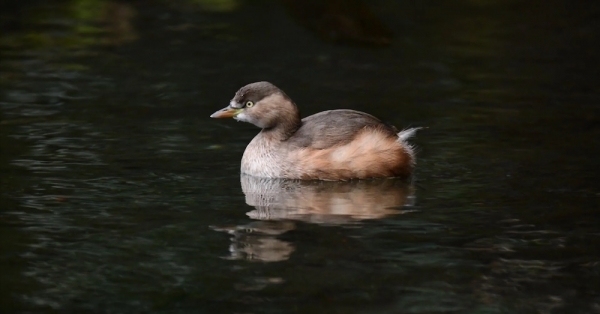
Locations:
(330, 145)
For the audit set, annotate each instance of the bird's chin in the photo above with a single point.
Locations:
(241, 117)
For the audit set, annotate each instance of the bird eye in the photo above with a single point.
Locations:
(249, 104)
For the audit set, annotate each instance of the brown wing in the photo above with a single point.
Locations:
(335, 127)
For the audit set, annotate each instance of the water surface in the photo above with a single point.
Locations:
(120, 195)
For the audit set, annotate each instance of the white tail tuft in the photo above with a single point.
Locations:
(403, 136)
(406, 134)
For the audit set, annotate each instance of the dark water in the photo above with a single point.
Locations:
(120, 195)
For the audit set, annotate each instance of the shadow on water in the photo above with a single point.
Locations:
(119, 194)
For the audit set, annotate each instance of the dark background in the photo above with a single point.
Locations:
(119, 195)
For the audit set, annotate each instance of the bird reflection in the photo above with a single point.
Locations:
(257, 241)
(330, 202)
(278, 203)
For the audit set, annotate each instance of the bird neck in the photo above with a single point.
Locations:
(285, 128)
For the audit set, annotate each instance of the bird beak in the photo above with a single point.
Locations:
(227, 112)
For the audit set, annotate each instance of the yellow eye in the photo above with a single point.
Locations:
(249, 104)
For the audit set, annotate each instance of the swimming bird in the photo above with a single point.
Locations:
(338, 144)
